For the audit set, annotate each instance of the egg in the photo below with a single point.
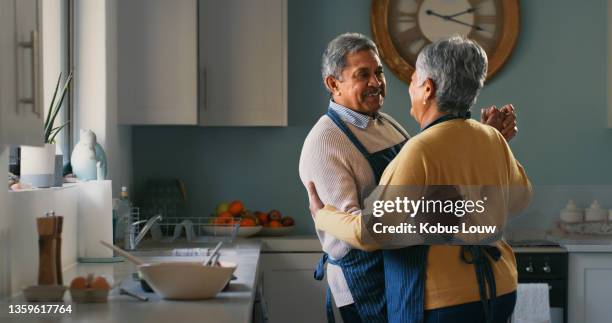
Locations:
(78, 283)
(100, 283)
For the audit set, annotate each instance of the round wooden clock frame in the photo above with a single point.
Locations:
(404, 69)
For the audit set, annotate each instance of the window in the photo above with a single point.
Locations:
(56, 49)
(56, 39)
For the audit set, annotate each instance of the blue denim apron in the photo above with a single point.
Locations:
(363, 271)
(405, 271)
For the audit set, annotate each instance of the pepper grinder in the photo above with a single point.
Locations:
(58, 248)
(49, 247)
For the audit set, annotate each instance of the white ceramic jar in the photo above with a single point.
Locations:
(595, 213)
(571, 213)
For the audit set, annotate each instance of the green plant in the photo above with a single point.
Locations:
(54, 108)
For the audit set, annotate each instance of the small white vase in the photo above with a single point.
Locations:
(38, 165)
(85, 157)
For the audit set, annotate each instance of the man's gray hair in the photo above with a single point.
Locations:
(458, 68)
(334, 57)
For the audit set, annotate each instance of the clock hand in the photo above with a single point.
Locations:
(465, 24)
(448, 18)
(462, 13)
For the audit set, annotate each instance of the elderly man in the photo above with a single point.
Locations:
(345, 154)
(443, 283)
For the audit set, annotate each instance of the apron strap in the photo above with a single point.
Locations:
(319, 274)
(378, 160)
(396, 126)
(329, 308)
(336, 119)
(477, 255)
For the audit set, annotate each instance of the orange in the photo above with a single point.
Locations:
(100, 283)
(275, 224)
(78, 283)
(262, 217)
(235, 208)
(225, 214)
(221, 220)
(247, 223)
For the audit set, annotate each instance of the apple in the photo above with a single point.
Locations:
(275, 215)
(222, 207)
(287, 221)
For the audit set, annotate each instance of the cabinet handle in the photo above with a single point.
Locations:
(263, 304)
(204, 88)
(33, 45)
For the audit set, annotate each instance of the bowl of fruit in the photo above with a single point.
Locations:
(274, 223)
(232, 218)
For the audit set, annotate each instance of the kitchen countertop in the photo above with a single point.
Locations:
(306, 243)
(234, 305)
(569, 244)
(584, 243)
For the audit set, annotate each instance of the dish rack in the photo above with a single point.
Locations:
(195, 229)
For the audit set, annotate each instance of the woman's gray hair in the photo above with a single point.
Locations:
(334, 57)
(458, 68)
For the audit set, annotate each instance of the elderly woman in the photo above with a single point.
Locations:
(444, 283)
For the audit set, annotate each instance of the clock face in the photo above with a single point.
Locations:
(403, 27)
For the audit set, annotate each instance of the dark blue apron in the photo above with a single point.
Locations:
(363, 271)
(405, 271)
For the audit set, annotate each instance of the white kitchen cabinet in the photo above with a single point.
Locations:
(243, 62)
(21, 101)
(202, 62)
(289, 289)
(590, 287)
(157, 62)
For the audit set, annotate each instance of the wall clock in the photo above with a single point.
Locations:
(402, 28)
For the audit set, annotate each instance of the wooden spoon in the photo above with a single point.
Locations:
(123, 253)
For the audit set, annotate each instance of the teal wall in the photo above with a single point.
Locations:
(556, 78)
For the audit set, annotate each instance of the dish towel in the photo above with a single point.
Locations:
(532, 304)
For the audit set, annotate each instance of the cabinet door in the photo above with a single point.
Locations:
(289, 289)
(21, 104)
(590, 287)
(243, 62)
(157, 62)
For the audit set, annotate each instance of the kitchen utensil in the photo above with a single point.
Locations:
(143, 283)
(123, 291)
(49, 245)
(187, 280)
(145, 286)
(188, 225)
(123, 253)
(215, 251)
(214, 261)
